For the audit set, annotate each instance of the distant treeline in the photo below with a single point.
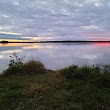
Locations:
(65, 41)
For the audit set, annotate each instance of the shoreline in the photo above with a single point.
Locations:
(5, 42)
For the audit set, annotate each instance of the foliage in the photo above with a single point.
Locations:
(72, 88)
(52, 91)
(84, 72)
(15, 61)
(15, 66)
(18, 67)
(33, 67)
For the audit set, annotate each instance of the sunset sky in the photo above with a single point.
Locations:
(55, 19)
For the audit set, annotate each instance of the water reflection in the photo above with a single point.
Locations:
(103, 44)
(37, 46)
(58, 55)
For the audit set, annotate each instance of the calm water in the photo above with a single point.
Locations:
(56, 56)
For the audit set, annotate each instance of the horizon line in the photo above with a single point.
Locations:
(56, 41)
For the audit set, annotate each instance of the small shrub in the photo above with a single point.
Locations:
(86, 73)
(103, 80)
(13, 71)
(70, 71)
(15, 61)
(17, 67)
(34, 67)
(83, 73)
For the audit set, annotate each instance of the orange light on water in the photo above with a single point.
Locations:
(12, 44)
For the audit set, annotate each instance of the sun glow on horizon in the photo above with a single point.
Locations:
(12, 33)
(13, 40)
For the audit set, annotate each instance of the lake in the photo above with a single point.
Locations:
(57, 55)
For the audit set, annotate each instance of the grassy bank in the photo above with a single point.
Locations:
(31, 86)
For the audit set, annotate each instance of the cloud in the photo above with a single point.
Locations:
(91, 27)
(59, 18)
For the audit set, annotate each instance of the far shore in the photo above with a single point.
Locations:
(65, 41)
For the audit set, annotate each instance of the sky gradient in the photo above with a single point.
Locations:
(55, 19)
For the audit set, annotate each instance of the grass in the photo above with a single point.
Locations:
(32, 87)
